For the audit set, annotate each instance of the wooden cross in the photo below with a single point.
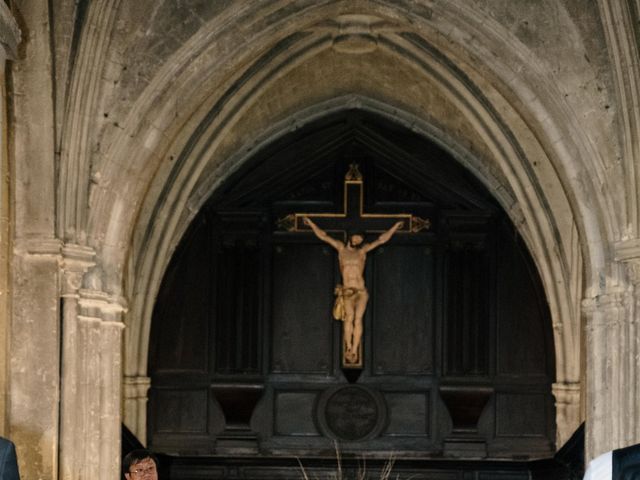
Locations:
(353, 219)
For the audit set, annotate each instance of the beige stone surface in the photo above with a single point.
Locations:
(124, 116)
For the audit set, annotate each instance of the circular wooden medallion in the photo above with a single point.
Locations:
(351, 413)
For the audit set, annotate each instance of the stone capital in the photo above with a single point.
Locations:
(136, 387)
(40, 246)
(606, 310)
(603, 301)
(566, 392)
(77, 257)
(567, 395)
(75, 261)
(628, 252)
(99, 306)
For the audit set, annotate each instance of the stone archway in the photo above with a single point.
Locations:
(220, 93)
(504, 158)
(123, 128)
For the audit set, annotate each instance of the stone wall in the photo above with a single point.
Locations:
(125, 115)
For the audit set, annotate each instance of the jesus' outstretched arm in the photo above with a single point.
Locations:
(383, 238)
(322, 235)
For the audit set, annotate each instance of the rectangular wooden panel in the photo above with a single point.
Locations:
(302, 323)
(237, 345)
(293, 414)
(182, 314)
(520, 318)
(402, 304)
(408, 413)
(467, 327)
(521, 415)
(180, 411)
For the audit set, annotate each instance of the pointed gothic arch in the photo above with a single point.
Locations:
(519, 145)
(123, 119)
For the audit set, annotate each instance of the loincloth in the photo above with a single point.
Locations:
(339, 312)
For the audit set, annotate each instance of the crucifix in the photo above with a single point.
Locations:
(352, 224)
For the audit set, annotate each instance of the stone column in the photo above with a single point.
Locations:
(100, 320)
(632, 397)
(608, 376)
(567, 397)
(91, 372)
(9, 37)
(627, 362)
(35, 357)
(135, 405)
(77, 261)
(34, 373)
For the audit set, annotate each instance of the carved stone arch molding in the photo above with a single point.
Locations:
(512, 131)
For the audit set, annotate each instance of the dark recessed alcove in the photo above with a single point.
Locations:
(457, 314)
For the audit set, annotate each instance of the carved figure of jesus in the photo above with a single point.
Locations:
(352, 295)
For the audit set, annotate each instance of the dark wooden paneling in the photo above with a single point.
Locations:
(294, 413)
(243, 468)
(457, 307)
(402, 305)
(180, 411)
(467, 323)
(183, 309)
(302, 325)
(237, 307)
(503, 476)
(521, 316)
(409, 413)
(521, 414)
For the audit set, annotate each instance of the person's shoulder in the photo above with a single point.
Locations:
(5, 442)
(6, 447)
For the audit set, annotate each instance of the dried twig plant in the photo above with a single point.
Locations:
(361, 474)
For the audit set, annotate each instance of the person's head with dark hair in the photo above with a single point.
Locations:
(140, 464)
(355, 238)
